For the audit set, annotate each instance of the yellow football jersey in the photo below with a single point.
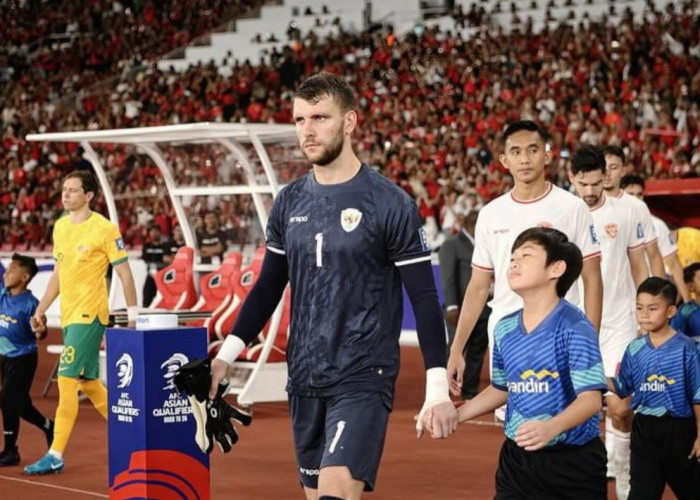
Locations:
(83, 252)
(688, 245)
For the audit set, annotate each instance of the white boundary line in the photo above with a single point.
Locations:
(54, 486)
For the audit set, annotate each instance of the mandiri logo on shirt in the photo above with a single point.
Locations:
(656, 383)
(532, 382)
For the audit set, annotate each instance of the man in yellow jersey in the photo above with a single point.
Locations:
(84, 244)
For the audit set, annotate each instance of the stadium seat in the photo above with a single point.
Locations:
(175, 283)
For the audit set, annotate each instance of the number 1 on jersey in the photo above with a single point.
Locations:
(319, 252)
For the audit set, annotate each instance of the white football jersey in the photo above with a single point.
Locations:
(616, 227)
(642, 214)
(503, 219)
(667, 245)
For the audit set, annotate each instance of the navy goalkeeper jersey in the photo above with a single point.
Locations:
(343, 243)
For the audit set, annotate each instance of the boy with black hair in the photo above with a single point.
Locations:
(687, 319)
(18, 356)
(547, 366)
(661, 371)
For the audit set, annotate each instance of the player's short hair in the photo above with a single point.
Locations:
(658, 286)
(528, 125)
(689, 272)
(87, 179)
(324, 84)
(27, 263)
(613, 150)
(632, 180)
(588, 158)
(557, 247)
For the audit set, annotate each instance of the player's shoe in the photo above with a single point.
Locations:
(9, 457)
(48, 464)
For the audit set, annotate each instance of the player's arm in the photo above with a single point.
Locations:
(486, 401)
(255, 311)
(420, 286)
(535, 434)
(123, 270)
(638, 265)
(676, 271)
(475, 298)
(38, 320)
(695, 451)
(656, 262)
(592, 290)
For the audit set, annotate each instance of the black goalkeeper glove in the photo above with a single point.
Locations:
(213, 417)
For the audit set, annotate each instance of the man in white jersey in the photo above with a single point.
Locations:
(623, 268)
(532, 202)
(634, 185)
(614, 169)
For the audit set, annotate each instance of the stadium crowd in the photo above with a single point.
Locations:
(434, 105)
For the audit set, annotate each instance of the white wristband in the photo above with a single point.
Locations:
(132, 313)
(232, 348)
(436, 388)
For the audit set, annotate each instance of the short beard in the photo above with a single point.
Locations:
(331, 153)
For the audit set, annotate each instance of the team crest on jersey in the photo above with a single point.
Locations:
(350, 218)
(611, 229)
(83, 249)
(545, 224)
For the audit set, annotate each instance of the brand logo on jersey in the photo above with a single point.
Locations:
(169, 276)
(350, 218)
(423, 240)
(300, 218)
(83, 249)
(125, 370)
(532, 382)
(545, 224)
(171, 366)
(594, 237)
(611, 229)
(640, 231)
(656, 383)
(501, 231)
(120, 243)
(5, 320)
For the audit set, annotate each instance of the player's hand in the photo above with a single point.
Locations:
(38, 324)
(534, 435)
(219, 372)
(440, 420)
(695, 452)
(455, 372)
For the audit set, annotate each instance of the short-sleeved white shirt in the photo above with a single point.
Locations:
(503, 219)
(618, 232)
(667, 245)
(643, 216)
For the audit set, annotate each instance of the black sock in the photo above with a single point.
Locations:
(10, 440)
(34, 417)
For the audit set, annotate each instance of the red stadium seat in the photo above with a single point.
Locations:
(175, 283)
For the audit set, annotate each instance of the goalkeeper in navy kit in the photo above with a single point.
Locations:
(346, 239)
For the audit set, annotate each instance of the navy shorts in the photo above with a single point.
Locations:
(343, 430)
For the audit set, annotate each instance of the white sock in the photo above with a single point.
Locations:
(56, 454)
(609, 440)
(622, 450)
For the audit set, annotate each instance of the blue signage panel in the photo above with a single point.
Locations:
(152, 450)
